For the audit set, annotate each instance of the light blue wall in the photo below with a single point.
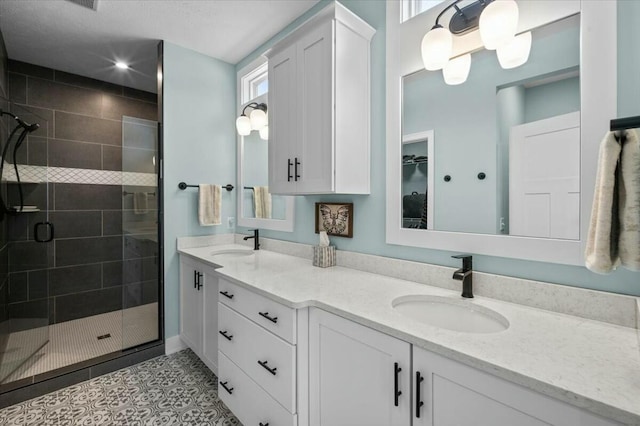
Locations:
(199, 147)
(628, 58)
(369, 223)
(549, 100)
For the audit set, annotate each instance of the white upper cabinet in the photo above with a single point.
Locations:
(319, 106)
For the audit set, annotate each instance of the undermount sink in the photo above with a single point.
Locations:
(231, 253)
(452, 314)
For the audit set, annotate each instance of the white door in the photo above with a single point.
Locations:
(544, 178)
(357, 376)
(315, 150)
(283, 121)
(190, 307)
(209, 295)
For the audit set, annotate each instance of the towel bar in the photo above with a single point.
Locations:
(624, 123)
(131, 193)
(184, 186)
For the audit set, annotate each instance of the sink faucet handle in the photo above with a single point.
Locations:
(467, 260)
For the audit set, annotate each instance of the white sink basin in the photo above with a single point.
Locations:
(452, 314)
(231, 253)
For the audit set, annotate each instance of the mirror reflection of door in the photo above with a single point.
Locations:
(417, 180)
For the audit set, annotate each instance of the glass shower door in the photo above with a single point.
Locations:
(140, 231)
(25, 243)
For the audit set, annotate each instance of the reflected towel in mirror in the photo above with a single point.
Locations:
(262, 202)
(140, 203)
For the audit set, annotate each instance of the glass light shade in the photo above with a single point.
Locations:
(515, 53)
(498, 23)
(243, 125)
(264, 133)
(437, 46)
(457, 69)
(258, 119)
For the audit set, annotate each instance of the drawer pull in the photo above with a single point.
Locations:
(266, 315)
(419, 402)
(225, 335)
(224, 385)
(263, 424)
(266, 367)
(396, 392)
(227, 295)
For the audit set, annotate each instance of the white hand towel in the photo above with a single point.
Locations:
(601, 254)
(629, 196)
(262, 202)
(209, 204)
(140, 203)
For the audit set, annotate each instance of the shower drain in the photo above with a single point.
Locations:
(104, 336)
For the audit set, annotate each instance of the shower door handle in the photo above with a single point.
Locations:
(36, 232)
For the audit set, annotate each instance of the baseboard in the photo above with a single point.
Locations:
(173, 344)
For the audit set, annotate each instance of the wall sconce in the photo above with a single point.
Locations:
(497, 21)
(257, 120)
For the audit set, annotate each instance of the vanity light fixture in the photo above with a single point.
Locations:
(257, 120)
(497, 21)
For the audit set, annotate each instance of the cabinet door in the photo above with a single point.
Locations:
(210, 313)
(283, 121)
(315, 149)
(455, 394)
(353, 379)
(190, 307)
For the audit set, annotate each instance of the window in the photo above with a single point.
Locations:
(255, 83)
(411, 8)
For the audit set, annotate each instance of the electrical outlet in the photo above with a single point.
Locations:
(231, 222)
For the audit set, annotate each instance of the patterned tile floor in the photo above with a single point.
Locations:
(169, 390)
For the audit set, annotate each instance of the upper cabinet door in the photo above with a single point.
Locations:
(283, 121)
(315, 149)
(358, 376)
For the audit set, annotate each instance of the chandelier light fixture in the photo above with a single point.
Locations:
(497, 21)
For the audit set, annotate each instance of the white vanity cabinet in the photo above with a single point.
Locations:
(319, 106)
(198, 310)
(259, 358)
(357, 376)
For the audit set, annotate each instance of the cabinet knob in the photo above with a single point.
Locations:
(263, 424)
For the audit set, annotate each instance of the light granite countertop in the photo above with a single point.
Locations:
(587, 363)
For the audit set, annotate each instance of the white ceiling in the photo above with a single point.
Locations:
(65, 36)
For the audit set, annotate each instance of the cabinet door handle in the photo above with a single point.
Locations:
(195, 279)
(266, 315)
(296, 169)
(396, 391)
(289, 164)
(224, 385)
(419, 403)
(199, 283)
(229, 337)
(227, 295)
(264, 365)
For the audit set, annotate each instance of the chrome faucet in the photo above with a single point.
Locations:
(465, 274)
(256, 239)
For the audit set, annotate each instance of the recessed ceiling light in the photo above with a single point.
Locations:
(122, 65)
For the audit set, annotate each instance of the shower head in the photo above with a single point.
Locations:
(28, 127)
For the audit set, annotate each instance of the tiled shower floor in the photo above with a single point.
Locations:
(75, 341)
(169, 390)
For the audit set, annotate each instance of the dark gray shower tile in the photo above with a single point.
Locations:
(82, 251)
(58, 96)
(69, 224)
(130, 271)
(111, 158)
(87, 83)
(34, 194)
(18, 287)
(38, 284)
(79, 155)
(115, 107)
(74, 279)
(140, 95)
(138, 160)
(71, 196)
(19, 226)
(88, 129)
(34, 309)
(17, 88)
(140, 245)
(37, 150)
(27, 255)
(52, 310)
(88, 303)
(137, 294)
(20, 67)
(112, 274)
(112, 222)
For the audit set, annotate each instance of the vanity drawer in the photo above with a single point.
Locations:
(248, 401)
(266, 358)
(271, 315)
